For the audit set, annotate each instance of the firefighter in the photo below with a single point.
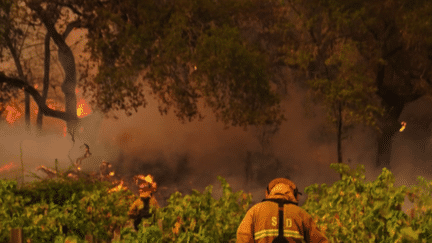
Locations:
(140, 209)
(278, 218)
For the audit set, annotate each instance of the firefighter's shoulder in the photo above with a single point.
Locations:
(137, 203)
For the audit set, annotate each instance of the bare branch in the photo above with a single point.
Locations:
(36, 96)
(74, 10)
(70, 27)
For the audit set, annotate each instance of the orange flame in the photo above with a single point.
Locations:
(118, 187)
(403, 124)
(7, 167)
(13, 114)
(82, 108)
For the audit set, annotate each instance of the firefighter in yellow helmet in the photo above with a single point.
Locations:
(144, 206)
(278, 218)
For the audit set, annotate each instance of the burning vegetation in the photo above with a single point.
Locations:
(146, 183)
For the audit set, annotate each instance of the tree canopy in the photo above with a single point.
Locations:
(366, 59)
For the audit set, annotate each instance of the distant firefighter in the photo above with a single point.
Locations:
(140, 209)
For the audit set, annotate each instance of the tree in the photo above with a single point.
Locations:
(185, 51)
(22, 45)
(394, 52)
(349, 94)
(12, 35)
(190, 51)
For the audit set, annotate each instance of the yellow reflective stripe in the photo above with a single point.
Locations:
(275, 232)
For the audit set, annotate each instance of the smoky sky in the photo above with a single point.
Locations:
(186, 156)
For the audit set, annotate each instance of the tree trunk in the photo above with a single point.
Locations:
(389, 127)
(45, 80)
(27, 111)
(17, 62)
(339, 134)
(67, 61)
(390, 124)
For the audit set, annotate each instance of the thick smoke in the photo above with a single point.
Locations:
(190, 156)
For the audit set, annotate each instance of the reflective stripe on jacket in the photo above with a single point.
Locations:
(260, 225)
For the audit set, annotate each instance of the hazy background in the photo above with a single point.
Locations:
(191, 155)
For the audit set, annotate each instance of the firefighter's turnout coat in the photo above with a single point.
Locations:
(260, 225)
(138, 211)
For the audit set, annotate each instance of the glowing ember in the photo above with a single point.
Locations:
(12, 115)
(7, 167)
(403, 126)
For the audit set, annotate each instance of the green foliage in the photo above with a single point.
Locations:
(233, 76)
(88, 208)
(351, 209)
(346, 211)
(189, 50)
(352, 87)
(41, 208)
(199, 217)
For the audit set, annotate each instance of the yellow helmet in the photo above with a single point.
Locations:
(145, 183)
(285, 181)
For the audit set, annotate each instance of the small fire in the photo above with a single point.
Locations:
(82, 108)
(13, 112)
(7, 167)
(118, 187)
(403, 126)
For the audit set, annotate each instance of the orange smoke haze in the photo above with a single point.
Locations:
(7, 167)
(191, 155)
